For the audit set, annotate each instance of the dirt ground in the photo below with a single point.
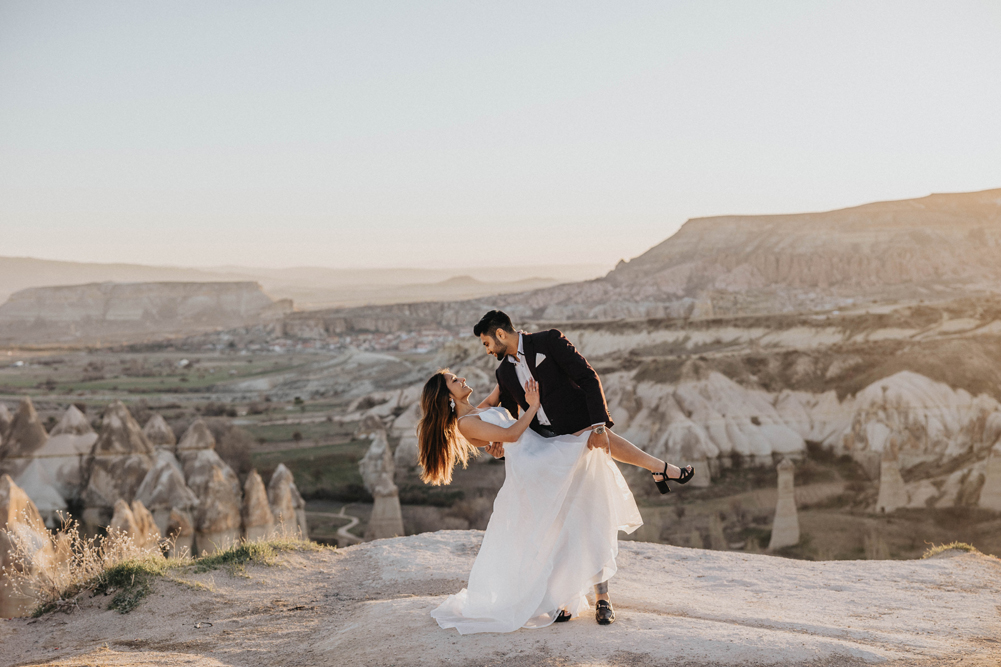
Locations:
(370, 605)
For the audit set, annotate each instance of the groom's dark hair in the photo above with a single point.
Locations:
(491, 322)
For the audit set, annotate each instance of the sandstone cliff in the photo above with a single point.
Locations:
(940, 244)
(123, 310)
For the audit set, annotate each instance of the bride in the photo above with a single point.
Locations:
(554, 529)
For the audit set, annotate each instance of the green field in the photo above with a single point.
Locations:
(323, 472)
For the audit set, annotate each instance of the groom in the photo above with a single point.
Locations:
(572, 398)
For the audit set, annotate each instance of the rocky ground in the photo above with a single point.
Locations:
(370, 605)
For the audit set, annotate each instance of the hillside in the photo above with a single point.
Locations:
(936, 247)
(309, 287)
(370, 605)
(124, 310)
(942, 239)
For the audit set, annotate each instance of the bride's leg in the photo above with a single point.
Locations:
(626, 452)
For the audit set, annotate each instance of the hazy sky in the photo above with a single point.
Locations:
(432, 134)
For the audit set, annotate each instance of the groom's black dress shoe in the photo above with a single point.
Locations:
(603, 612)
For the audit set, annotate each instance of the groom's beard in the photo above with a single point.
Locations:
(500, 355)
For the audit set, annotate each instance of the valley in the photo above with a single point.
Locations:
(729, 346)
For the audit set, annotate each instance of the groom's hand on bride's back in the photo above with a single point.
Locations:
(495, 449)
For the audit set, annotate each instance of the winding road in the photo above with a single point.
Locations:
(342, 532)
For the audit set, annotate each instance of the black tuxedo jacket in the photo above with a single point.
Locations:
(569, 389)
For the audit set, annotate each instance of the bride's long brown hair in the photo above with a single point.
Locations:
(439, 443)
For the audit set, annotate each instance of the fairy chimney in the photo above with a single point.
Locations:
(377, 470)
(892, 493)
(405, 426)
(159, 433)
(123, 521)
(151, 534)
(20, 523)
(990, 494)
(73, 422)
(258, 521)
(37, 482)
(217, 524)
(164, 490)
(5, 419)
(117, 465)
(198, 458)
(785, 527)
(180, 533)
(287, 505)
(22, 439)
(64, 454)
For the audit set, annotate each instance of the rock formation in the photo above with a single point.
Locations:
(258, 521)
(892, 493)
(180, 533)
(113, 310)
(217, 524)
(19, 522)
(377, 470)
(163, 490)
(159, 433)
(123, 521)
(5, 419)
(37, 482)
(785, 527)
(148, 531)
(116, 467)
(197, 456)
(65, 452)
(990, 494)
(287, 505)
(701, 420)
(136, 522)
(22, 439)
(405, 427)
(740, 264)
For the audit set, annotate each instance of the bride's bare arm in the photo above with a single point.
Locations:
(493, 400)
(477, 429)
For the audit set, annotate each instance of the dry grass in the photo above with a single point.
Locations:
(53, 567)
(936, 549)
(56, 567)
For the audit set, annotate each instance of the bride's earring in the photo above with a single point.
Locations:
(451, 404)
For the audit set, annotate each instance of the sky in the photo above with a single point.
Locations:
(436, 134)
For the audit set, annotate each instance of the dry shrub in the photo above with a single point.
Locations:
(52, 567)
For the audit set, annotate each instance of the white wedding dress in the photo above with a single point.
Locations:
(552, 536)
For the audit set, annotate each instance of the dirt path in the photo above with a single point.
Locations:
(370, 604)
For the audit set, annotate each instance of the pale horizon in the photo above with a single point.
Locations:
(392, 135)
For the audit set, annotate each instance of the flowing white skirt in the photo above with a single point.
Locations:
(553, 534)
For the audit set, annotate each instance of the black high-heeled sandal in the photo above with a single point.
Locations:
(562, 617)
(686, 475)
